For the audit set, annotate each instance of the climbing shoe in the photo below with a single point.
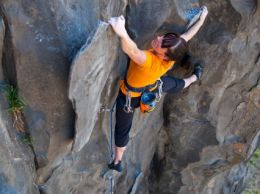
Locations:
(118, 167)
(198, 70)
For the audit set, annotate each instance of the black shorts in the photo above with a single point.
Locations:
(124, 120)
(172, 84)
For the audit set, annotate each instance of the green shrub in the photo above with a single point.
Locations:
(14, 100)
(26, 139)
(255, 158)
(252, 192)
(16, 106)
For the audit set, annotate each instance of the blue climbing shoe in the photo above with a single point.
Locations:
(198, 70)
(118, 167)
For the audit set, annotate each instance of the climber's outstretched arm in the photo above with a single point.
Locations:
(195, 28)
(128, 45)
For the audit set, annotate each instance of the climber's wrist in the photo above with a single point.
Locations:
(204, 14)
(123, 34)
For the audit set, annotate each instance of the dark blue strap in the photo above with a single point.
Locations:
(141, 89)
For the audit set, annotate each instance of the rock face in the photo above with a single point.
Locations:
(17, 173)
(17, 170)
(89, 70)
(2, 35)
(216, 108)
(67, 61)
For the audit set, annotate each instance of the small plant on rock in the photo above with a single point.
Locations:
(253, 187)
(255, 158)
(16, 106)
(26, 139)
(252, 192)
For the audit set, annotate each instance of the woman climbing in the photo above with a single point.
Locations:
(145, 79)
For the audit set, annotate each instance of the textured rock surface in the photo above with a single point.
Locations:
(2, 35)
(217, 108)
(89, 70)
(197, 141)
(40, 69)
(17, 170)
(254, 168)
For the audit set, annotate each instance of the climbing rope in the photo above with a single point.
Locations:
(111, 130)
(110, 177)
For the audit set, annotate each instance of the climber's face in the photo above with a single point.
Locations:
(156, 45)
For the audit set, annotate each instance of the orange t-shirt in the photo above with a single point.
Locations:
(146, 74)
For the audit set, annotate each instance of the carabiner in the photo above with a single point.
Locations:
(127, 107)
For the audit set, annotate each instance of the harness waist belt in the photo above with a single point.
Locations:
(141, 89)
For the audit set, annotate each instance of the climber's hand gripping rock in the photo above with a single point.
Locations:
(118, 25)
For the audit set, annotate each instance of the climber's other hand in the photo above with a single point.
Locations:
(204, 12)
(118, 25)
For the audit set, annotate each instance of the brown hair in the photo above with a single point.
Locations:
(176, 46)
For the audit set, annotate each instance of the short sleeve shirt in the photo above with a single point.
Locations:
(145, 74)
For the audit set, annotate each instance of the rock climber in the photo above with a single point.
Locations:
(145, 74)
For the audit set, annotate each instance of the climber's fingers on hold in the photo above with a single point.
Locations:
(122, 17)
(204, 11)
(115, 20)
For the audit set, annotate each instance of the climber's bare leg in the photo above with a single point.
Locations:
(119, 151)
(188, 81)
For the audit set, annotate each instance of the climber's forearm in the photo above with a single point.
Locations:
(128, 45)
(192, 31)
(131, 49)
(195, 28)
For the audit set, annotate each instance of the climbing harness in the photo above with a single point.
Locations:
(111, 178)
(111, 130)
(149, 99)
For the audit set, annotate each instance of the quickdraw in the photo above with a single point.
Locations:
(127, 106)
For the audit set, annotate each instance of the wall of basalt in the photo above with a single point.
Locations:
(66, 62)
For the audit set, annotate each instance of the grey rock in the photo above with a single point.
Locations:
(2, 35)
(17, 167)
(197, 141)
(40, 73)
(89, 73)
(137, 183)
(245, 7)
(231, 74)
(5, 189)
